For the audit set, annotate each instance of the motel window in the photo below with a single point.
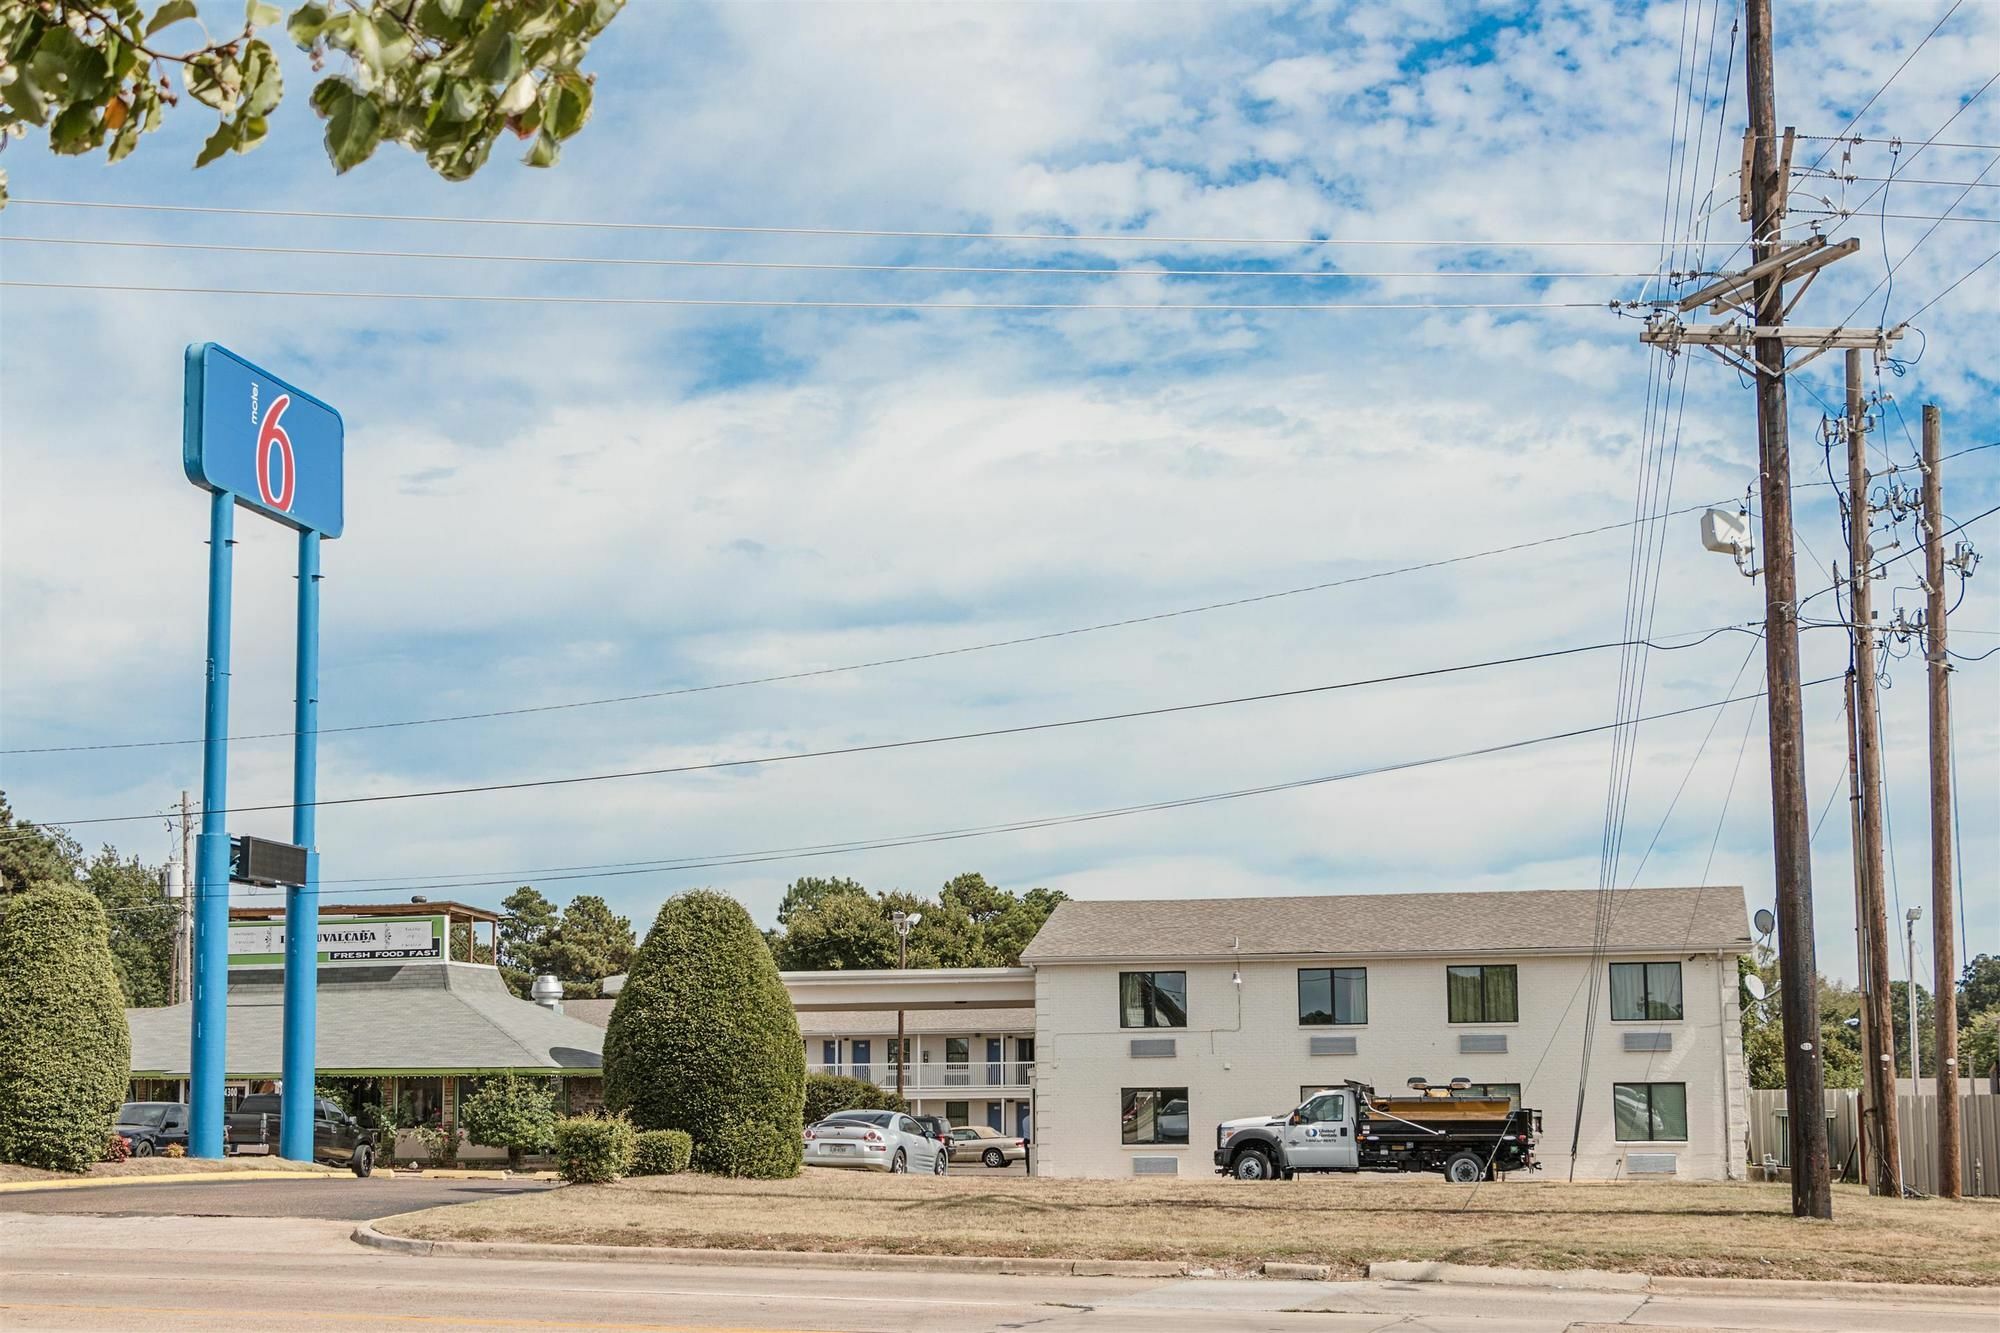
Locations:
(1645, 992)
(1648, 1111)
(957, 1052)
(1483, 993)
(957, 1113)
(1152, 999)
(1155, 1115)
(1333, 995)
(419, 1101)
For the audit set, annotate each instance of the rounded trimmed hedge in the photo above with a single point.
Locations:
(65, 1054)
(592, 1149)
(827, 1093)
(703, 1039)
(661, 1152)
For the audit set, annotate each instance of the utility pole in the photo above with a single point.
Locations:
(1805, 1074)
(1877, 1030)
(1944, 992)
(1757, 349)
(904, 922)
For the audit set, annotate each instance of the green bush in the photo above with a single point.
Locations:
(703, 1039)
(65, 1054)
(592, 1150)
(661, 1152)
(506, 1111)
(827, 1093)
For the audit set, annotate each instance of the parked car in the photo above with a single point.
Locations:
(876, 1141)
(978, 1143)
(148, 1127)
(338, 1138)
(939, 1127)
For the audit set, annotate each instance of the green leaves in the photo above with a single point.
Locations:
(169, 14)
(442, 77)
(353, 123)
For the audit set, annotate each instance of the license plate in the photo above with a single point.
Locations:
(839, 1147)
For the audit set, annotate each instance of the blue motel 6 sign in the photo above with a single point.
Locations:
(274, 447)
(253, 441)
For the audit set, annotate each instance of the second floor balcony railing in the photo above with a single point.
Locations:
(935, 1077)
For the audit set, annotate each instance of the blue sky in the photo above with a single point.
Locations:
(554, 502)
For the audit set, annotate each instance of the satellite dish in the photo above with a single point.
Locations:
(1753, 986)
(1765, 922)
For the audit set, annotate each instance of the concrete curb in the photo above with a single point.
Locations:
(180, 1178)
(1590, 1279)
(470, 1173)
(366, 1234)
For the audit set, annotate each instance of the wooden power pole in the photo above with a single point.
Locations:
(1944, 993)
(1805, 1073)
(1877, 1029)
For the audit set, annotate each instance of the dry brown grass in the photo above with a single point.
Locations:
(1689, 1229)
(156, 1166)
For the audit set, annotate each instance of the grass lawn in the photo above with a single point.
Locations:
(155, 1166)
(1713, 1230)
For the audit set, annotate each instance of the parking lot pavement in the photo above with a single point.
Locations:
(342, 1198)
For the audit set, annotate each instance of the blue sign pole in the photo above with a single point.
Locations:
(295, 1124)
(207, 1060)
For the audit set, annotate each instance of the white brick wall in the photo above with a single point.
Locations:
(1244, 1052)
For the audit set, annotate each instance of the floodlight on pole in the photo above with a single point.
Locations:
(904, 922)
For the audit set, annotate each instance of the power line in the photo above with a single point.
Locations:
(219, 247)
(1123, 623)
(864, 232)
(1855, 119)
(878, 746)
(669, 865)
(772, 303)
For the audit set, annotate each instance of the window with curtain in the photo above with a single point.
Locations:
(1154, 1115)
(957, 1052)
(1333, 995)
(1648, 1112)
(1483, 993)
(1152, 999)
(1645, 992)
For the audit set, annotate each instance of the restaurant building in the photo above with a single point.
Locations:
(411, 1014)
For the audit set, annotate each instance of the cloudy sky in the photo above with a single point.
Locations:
(558, 502)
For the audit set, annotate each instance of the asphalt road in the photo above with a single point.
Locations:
(225, 1274)
(342, 1198)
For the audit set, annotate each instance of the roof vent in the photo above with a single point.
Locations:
(548, 993)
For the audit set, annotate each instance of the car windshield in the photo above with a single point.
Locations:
(859, 1118)
(150, 1114)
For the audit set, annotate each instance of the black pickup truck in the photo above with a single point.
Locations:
(1436, 1128)
(252, 1125)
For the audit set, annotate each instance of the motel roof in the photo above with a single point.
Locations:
(1487, 924)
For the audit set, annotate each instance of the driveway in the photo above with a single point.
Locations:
(342, 1198)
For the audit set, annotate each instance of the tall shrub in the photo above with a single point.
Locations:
(65, 1054)
(827, 1093)
(507, 1111)
(703, 1039)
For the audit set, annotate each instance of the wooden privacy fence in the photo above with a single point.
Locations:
(1979, 1137)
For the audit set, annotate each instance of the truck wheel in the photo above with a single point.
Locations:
(1252, 1164)
(143, 1148)
(363, 1161)
(1465, 1168)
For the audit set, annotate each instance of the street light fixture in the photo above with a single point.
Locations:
(904, 922)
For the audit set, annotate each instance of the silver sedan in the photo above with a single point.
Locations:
(875, 1141)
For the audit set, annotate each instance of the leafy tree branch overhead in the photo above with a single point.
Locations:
(445, 78)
